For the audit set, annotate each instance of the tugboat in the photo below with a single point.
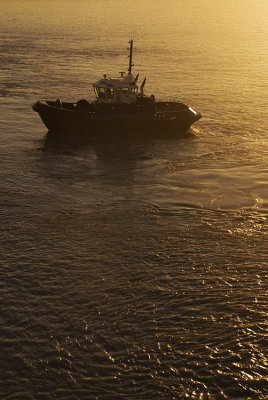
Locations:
(120, 107)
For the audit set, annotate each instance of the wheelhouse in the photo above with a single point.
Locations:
(118, 90)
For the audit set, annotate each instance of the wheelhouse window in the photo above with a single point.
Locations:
(104, 93)
(101, 92)
(110, 93)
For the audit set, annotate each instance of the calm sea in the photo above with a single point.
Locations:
(135, 269)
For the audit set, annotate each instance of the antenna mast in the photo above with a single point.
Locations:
(130, 57)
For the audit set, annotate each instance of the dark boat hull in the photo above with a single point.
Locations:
(165, 118)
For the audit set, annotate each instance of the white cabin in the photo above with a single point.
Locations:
(116, 90)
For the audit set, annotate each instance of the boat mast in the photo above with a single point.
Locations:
(130, 57)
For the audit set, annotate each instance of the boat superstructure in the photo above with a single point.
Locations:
(123, 89)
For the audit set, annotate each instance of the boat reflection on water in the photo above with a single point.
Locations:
(110, 161)
(109, 156)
